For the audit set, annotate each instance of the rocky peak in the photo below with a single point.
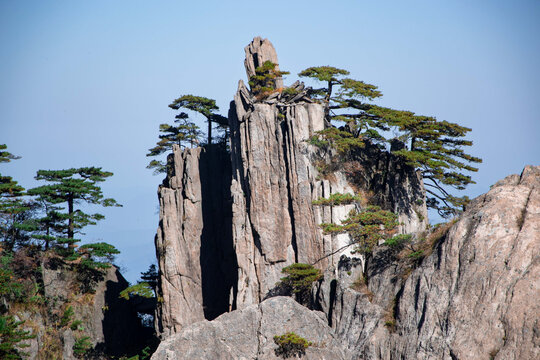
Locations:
(257, 53)
(261, 216)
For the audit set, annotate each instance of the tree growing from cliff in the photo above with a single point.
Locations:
(431, 146)
(12, 336)
(184, 133)
(299, 279)
(263, 82)
(365, 227)
(204, 106)
(66, 189)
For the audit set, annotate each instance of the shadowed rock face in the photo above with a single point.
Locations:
(193, 242)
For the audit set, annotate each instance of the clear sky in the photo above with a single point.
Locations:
(87, 83)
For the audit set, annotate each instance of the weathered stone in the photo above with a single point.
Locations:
(273, 221)
(470, 299)
(257, 53)
(193, 241)
(248, 334)
(111, 323)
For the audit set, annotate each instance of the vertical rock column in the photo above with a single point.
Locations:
(178, 243)
(193, 241)
(273, 221)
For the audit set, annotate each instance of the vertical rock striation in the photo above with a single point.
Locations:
(193, 241)
(472, 298)
(225, 234)
(272, 190)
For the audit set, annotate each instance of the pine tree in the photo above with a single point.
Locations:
(12, 207)
(67, 189)
(434, 147)
(204, 106)
(186, 132)
(264, 81)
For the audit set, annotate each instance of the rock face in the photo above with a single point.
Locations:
(273, 221)
(248, 334)
(257, 53)
(193, 242)
(470, 299)
(110, 323)
(473, 298)
(257, 216)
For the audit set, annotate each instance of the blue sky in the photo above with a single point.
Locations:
(88, 83)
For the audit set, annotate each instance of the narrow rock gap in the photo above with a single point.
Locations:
(285, 131)
(423, 316)
(333, 288)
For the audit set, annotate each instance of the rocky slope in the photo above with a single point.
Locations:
(110, 324)
(223, 240)
(473, 297)
(257, 217)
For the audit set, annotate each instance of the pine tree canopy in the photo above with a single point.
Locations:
(434, 147)
(264, 81)
(185, 132)
(204, 106)
(68, 188)
(12, 207)
(6, 156)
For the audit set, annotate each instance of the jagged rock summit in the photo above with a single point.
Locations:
(231, 220)
(257, 53)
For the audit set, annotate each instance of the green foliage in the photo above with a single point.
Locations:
(366, 227)
(10, 287)
(68, 188)
(300, 277)
(342, 141)
(182, 134)
(289, 91)
(337, 199)
(6, 156)
(11, 336)
(204, 106)
(76, 325)
(140, 289)
(66, 316)
(417, 255)
(12, 208)
(81, 346)
(97, 255)
(264, 80)
(434, 147)
(291, 345)
(145, 287)
(398, 241)
(151, 276)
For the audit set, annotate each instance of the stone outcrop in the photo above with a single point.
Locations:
(193, 241)
(257, 53)
(472, 298)
(230, 222)
(256, 216)
(249, 333)
(111, 323)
